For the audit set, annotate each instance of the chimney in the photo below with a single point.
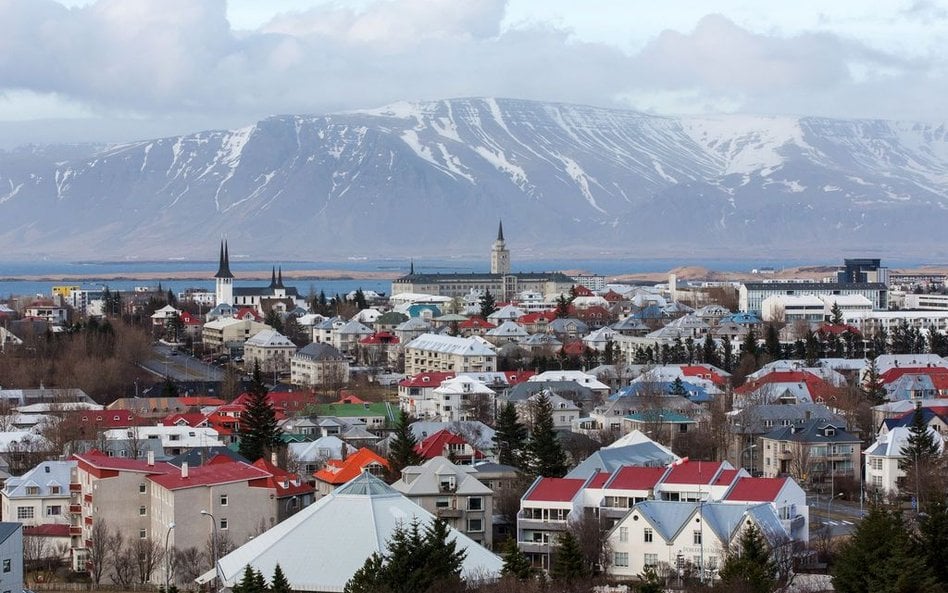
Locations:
(184, 469)
(151, 458)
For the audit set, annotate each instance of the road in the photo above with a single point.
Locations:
(180, 367)
(840, 516)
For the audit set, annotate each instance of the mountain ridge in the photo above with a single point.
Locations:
(415, 178)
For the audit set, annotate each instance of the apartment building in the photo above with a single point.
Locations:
(817, 451)
(40, 496)
(434, 352)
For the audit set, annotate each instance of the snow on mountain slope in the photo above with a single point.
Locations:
(409, 178)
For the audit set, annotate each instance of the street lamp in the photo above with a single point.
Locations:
(168, 559)
(217, 568)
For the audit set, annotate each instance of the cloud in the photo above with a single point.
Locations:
(159, 58)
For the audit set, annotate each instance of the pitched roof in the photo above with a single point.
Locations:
(96, 459)
(756, 489)
(340, 471)
(435, 444)
(220, 470)
(636, 478)
(451, 345)
(693, 472)
(555, 489)
(426, 379)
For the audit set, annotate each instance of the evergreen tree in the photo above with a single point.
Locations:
(547, 457)
(751, 569)
(274, 320)
(169, 388)
(360, 301)
(937, 342)
(709, 351)
(772, 343)
(510, 437)
(880, 557)
(516, 563)
(250, 582)
(836, 313)
(932, 538)
(678, 387)
(401, 448)
(873, 388)
(920, 447)
(175, 327)
(370, 578)
(259, 433)
(650, 582)
(172, 300)
(568, 562)
(813, 349)
(442, 558)
(279, 583)
(727, 359)
(488, 304)
(750, 344)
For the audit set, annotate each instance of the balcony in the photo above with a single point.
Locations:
(450, 513)
(535, 547)
(87, 520)
(75, 530)
(613, 512)
(87, 498)
(792, 524)
(75, 508)
(541, 524)
(75, 487)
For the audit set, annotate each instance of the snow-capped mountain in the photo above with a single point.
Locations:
(417, 178)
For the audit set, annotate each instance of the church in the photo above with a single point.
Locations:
(261, 298)
(501, 282)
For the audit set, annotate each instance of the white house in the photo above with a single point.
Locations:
(455, 398)
(40, 496)
(174, 440)
(884, 455)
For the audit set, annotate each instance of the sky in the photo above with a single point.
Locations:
(110, 69)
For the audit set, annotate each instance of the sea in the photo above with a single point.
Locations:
(14, 282)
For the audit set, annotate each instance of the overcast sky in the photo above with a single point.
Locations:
(182, 65)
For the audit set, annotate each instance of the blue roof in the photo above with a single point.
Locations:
(416, 309)
(695, 393)
(650, 312)
(612, 458)
(666, 517)
(742, 319)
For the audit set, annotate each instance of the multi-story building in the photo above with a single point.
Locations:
(319, 364)
(175, 439)
(270, 349)
(462, 398)
(751, 295)
(884, 457)
(872, 322)
(926, 302)
(451, 493)
(434, 352)
(815, 452)
(11, 557)
(40, 496)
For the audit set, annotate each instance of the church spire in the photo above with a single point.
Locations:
(223, 266)
(500, 231)
(280, 277)
(411, 267)
(273, 277)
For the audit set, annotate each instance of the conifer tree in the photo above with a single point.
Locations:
(516, 563)
(750, 344)
(510, 436)
(441, 556)
(836, 314)
(488, 305)
(709, 351)
(547, 457)
(279, 583)
(678, 387)
(932, 538)
(873, 388)
(772, 343)
(274, 320)
(727, 359)
(813, 349)
(568, 562)
(401, 448)
(751, 569)
(259, 432)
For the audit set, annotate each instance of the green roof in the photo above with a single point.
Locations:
(355, 410)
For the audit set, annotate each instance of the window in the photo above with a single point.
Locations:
(223, 523)
(623, 534)
(651, 559)
(696, 538)
(647, 535)
(621, 559)
(6, 565)
(32, 490)
(54, 489)
(24, 512)
(54, 511)
(142, 533)
(141, 488)
(223, 500)
(876, 463)
(142, 511)
(475, 525)
(475, 503)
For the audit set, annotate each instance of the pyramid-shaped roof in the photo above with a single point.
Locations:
(322, 546)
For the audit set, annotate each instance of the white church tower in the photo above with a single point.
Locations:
(224, 289)
(499, 256)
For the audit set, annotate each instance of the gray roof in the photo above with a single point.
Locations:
(756, 416)
(320, 351)
(568, 389)
(8, 529)
(43, 476)
(425, 479)
(814, 431)
(611, 459)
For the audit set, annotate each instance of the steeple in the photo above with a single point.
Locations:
(499, 256)
(273, 277)
(411, 267)
(223, 267)
(280, 278)
(500, 231)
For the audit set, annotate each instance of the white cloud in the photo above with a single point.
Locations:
(161, 58)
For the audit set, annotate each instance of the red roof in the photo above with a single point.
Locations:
(695, 370)
(211, 473)
(430, 379)
(581, 291)
(347, 397)
(727, 476)
(574, 348)
(636, 478)
(594, 312)
(895, 373)
(98, 460)
(556, 489)
(189, 418)
(612, 296)
(693, 472)
(247, 313)
(517, 377)
(340, 471)
(599, 480)
(475, 323)
(533, 318)
(189, 319)
(437, 444)
(837, 329)
(379, 338)
(816, 385)
(48, 530)
(201, 401)
(106, 419)
(285, 483)
(756, 489)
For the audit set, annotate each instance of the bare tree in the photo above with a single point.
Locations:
(189, 564)
(101, 551)
(123, 560)
(590, 532)
(148, 554)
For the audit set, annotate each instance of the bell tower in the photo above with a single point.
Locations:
(499, 256)
(224, 280)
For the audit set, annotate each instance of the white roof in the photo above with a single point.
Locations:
(891, 443)
(327, 447)
(580, 377)
(846, 300)
(44, 476)
(410, 298)
(185, 437)
(425, 479)
(451, 345)
(322, 546)
(270, 338)
(637, 437)
(509, 329)
(463, 385)
(792, 300)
